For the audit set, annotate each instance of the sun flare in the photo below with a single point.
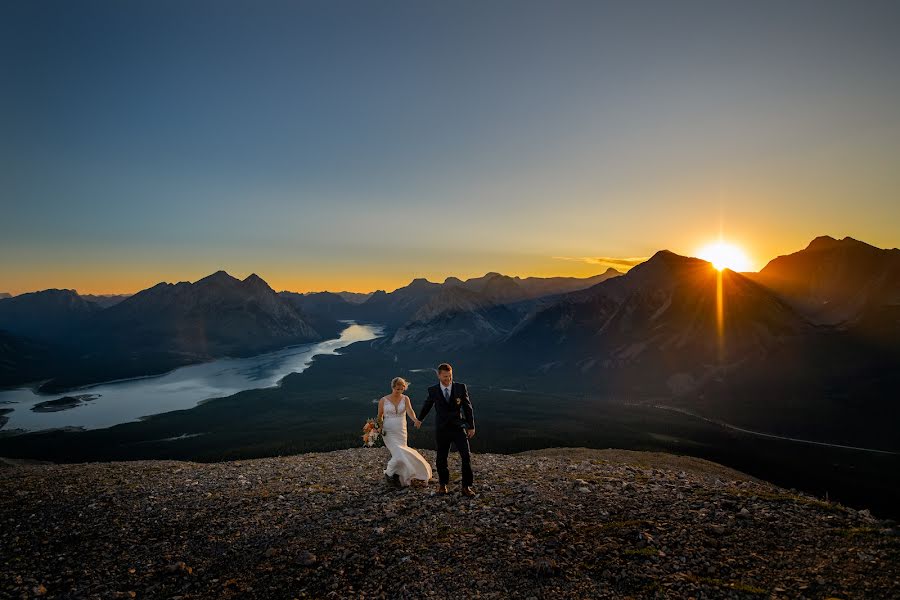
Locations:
(723, 255)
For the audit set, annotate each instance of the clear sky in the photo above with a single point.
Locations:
(357, 145)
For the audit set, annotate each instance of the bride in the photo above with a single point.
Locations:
(405, 464)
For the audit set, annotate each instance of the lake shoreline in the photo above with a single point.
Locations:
(137, 398)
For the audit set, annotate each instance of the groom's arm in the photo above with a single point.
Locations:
(429, 402)
(467, 408)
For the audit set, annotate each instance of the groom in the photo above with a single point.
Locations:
(448, 398)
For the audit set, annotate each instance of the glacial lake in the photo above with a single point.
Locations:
(111, 403)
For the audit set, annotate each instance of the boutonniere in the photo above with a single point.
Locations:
(458, 400)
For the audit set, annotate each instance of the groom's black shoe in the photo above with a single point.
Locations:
(442, 489)
(467, 491)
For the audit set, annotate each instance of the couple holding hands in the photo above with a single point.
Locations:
(454, 425)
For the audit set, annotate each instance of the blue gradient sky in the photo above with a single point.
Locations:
(356, 145)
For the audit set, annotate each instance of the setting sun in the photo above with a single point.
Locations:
(723, 255)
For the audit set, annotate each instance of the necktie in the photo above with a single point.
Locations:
(447, 394)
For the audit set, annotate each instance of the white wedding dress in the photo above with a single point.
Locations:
(405, 462)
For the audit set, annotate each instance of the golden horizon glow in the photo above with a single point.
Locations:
(724, 255)
(127, 274)
(129, 282)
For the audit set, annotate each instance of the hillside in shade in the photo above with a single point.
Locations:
(440, 301)
(749, 349)
(21, 359)
(46, 315)
(216, 315)
(663, 310)
(551, 524)
(105, 300)
(153, 331)
(836, 281)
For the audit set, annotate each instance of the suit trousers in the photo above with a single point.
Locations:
(445, 437)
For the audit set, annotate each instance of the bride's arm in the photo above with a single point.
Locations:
(380, 409)
(410, 411)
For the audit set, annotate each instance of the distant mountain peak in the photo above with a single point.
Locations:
(419, 282)
(660, 253)
(668, 257)
(45, 313)
(218, 276)
(255, 281)
(54, 292)
(849, 241)
(453, 280)
(826, 242)
(822, 242)
(663, 268)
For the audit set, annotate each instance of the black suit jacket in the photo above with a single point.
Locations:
(453, 414)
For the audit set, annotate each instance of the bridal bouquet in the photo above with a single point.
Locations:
(372, 433)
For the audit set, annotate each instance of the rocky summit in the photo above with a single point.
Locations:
(560, 523)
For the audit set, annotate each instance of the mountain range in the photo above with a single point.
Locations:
(155, 330)
(664, 310)
(809, 345)
(214, 316)
(464, 314)
(75, 340)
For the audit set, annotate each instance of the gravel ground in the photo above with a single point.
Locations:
(560, 523)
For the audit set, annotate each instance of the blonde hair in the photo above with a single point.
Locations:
(397, 380)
